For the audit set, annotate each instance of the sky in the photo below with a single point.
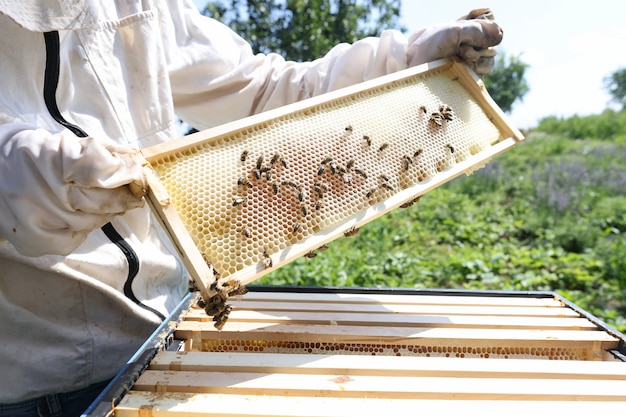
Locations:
(570, 47)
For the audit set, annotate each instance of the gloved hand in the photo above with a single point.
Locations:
(57, 188)
(471, 39)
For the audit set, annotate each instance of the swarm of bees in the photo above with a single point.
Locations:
(223, 288)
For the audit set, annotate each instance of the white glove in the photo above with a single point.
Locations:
(57, 188)
(471, 39)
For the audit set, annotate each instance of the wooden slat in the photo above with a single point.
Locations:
(390, 386)
(145, 404)
(392, 335)
(395, 299)
(449, 310)
(387, 366)
(409, 320)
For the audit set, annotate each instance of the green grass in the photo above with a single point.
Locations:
(548, 215)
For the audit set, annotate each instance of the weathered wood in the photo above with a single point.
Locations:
(393, 335)
(405, 320)
(147, 404)
(369, 360)
(387, 365)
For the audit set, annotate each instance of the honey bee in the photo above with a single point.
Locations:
(371, 192)
(310, 255)
(319, 190)
(384, 177)
(406, 161)
(322, 187)
(304, 209)
(360, 172)
(353, 231)
(215, 306)
(349, 165)
(333, 168)
(239, 200)
(243, 156)
(423, 109)
(239, 290)
(259, 162)
(436, 119)
(300, 195)
(275, 188)
(450, 147)
(244, 182)
(383, 147)
(256, 173)
(278, 158)
(387, 186)
(206, 260)
(321, 170)
(445, 111)
(290, 184)
(367, 140)
(296, 227)
(221, 318)
(349, 129)
(327, 160)
(417, 153)
(318, 205)
(410, 203)
(322, 248)
(245, 232)
(267, 260)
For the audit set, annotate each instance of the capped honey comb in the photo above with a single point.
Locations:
(250, 196)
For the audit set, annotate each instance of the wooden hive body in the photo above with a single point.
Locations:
(371, 352)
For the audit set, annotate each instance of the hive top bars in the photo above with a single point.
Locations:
(244, 198)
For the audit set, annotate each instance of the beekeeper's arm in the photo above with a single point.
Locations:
(57, 188)
(216, 78)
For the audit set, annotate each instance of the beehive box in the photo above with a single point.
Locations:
(245, 198)
(357, 352)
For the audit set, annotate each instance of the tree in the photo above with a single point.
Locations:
(303, 30)
(506, 84)
(615, 84)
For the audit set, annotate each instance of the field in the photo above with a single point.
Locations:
(548, 215)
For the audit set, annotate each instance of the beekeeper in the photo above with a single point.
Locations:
(86, 274)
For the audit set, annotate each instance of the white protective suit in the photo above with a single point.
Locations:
(86, 274)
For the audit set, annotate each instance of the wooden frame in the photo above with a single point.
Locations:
(203, 274)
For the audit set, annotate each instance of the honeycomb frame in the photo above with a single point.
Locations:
(242, 199)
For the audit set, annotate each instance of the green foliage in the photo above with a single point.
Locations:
(615, 84)
(608, 125)
(506, 84)
(304, 30)
(548, 215)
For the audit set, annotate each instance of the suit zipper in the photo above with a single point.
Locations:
(50, 84)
